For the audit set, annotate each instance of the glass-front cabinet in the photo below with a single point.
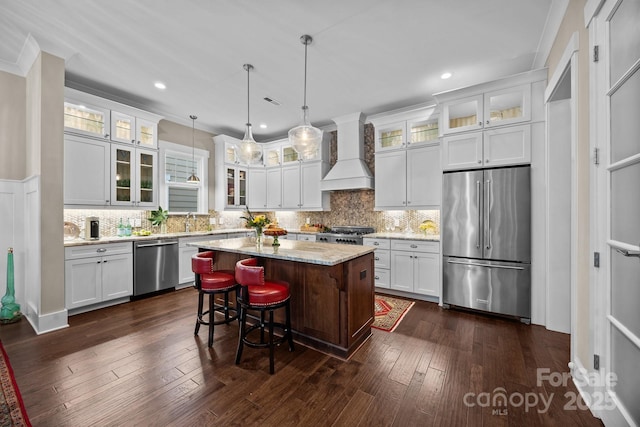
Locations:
(133, 130)
(236, 195)
(420, 128)
(273, 156)
(133, 176)
(496, 108)
(289, 155)
(86, 119)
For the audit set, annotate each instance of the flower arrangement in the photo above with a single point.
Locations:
(257, 221)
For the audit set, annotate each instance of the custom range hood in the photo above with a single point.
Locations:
(350, 171)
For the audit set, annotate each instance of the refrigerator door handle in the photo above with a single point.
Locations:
(479, 264)
(479, 214)
(487, 224)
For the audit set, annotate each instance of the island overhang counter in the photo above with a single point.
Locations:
(332, 287)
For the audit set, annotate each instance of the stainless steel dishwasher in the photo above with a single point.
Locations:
(155, 265)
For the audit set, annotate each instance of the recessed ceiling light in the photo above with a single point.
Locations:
(160, 85)
(263, 125)
(446, 75)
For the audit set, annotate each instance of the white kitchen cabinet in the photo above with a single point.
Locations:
(236, 187)
(381, 261)
(410, 130)
(87, 171)
(481, 111)
(274, 188)
(306, 237)
(509, 145)
(98, 273)
(408, 179)
(415, 267)
(85, 119)
(185, 275)
(129, 129)
(301, 187)
(134, 175)
(257, 188)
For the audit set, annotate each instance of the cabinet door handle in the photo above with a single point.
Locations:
(479, 161)
(133, 141)
(486, 161)
(480, 124)
(98, 262)
(106, 135)
(377, 258)
(487, 121)
(101, 250)
(106, 201)
(376, 277)
(376, 244)
(413, 246)
(409, 202)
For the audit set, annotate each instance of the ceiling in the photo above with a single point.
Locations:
(367, 56)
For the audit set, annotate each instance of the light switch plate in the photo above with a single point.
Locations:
(212, 221)
(396, 222)
(220, 221)
(137, 222)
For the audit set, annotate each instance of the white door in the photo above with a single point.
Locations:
(619, 65)
(424, 177)
(391, 180)
(311, 195)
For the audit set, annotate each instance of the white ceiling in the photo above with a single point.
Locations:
(367, 56)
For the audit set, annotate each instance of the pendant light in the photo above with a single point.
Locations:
(193, 178)
(250, 153)
(305, 139)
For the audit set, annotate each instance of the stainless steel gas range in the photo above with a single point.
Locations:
(345, 234)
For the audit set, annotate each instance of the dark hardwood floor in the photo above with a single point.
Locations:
(139, 364)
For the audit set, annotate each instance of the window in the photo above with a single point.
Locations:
(177, 162)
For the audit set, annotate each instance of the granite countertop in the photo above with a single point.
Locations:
(115, 239)
(404, 236)
(289, 250)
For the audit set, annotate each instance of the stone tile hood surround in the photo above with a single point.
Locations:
(350, 171)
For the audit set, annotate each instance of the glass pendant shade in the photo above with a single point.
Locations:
(193, 179)
(305, 139)
(249, 153)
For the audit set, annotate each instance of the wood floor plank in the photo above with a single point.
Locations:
(140, 364)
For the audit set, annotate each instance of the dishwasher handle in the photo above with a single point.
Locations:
(151, 245)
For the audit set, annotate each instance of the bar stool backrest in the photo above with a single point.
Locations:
(202, 262)
(249, 273)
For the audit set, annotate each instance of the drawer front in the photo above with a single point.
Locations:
(382, 258)
(376, 243)
(415, 246)
(307, 237)
(87, 251)
(381, 278)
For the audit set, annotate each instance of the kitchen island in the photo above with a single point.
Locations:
(332, 287)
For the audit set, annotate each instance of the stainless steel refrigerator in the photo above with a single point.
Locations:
(486, 240)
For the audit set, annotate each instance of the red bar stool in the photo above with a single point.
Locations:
(261, 295)
(212, 282)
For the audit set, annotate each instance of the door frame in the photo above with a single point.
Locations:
(568, 63)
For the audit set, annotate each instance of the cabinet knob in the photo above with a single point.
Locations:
(377, 258)
(486, 161)
(409, 202)
(101, 250)
(479, 161)
(487, 121)
(106, 135)
(133, 141)
(479, 123)
(414, 246)
(376, 243)
(377, 277)
(106, 201)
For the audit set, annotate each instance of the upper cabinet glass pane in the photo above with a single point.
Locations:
(145, 133)
(391, 138)
(289, 155)
(229, 153)
(423, 131)
(85, 119)
(273, 157)
(505, 106)
(122, 129)
(463, 114)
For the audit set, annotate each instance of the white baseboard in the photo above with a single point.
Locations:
(48, 322)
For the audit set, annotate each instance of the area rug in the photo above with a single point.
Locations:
(390, 312)
(12, 412)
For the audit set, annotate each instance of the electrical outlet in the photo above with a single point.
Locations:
(220, 221)
(137, 222)
(396, 222)
(212, 221)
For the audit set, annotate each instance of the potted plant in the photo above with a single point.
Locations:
(159, 219)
